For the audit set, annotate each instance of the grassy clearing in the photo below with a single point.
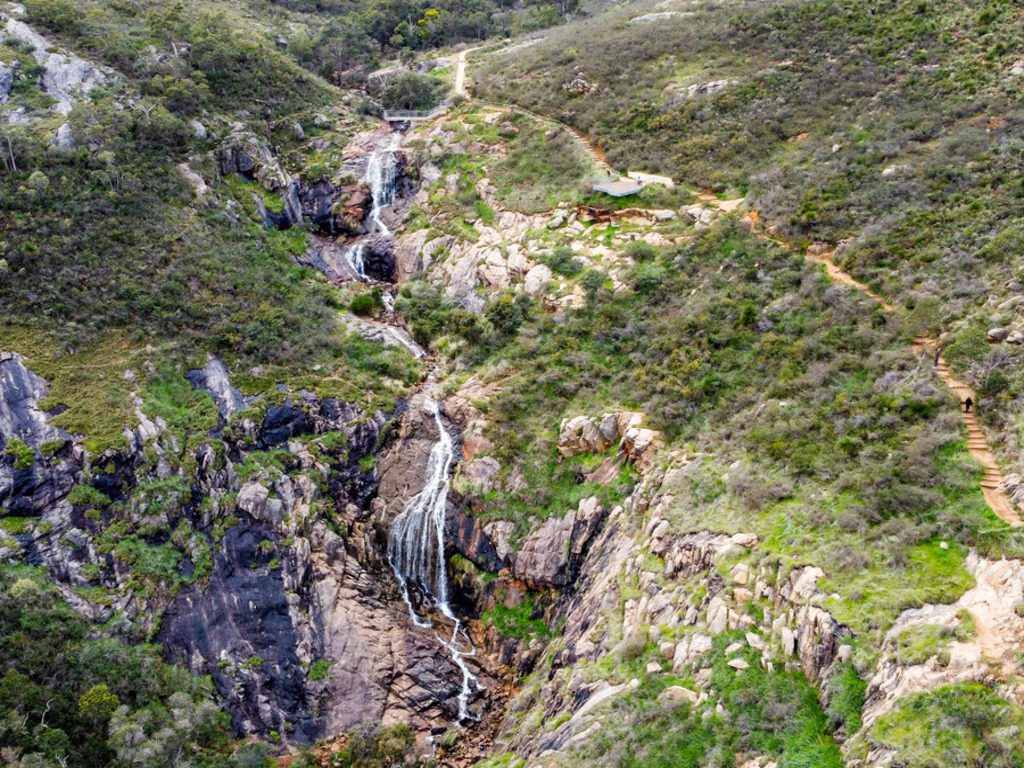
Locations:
(966, 724)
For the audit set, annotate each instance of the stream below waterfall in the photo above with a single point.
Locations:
(416, 553)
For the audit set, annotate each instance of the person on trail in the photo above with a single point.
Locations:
(967, 404)
(936, 357)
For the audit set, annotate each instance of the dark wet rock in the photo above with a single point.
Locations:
(379, 259)
(7, 72)
(282, 422)
(239, 630)
(30, 489)
(328, 257)
(469, 539)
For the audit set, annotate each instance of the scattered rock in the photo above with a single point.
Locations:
(578, 86)
(699, 215)
(707, 89)
(193, 178)
(995, 335)
(536, 280)
(677, 693)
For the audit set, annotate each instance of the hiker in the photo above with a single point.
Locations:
(936, 357)
(967, 404)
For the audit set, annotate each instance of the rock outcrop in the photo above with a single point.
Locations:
(552, 554)
(37, 465)
(984, 650)
(213, 378)
(65, 77)
(588, 434)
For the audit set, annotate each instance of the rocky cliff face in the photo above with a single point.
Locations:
(281, 590)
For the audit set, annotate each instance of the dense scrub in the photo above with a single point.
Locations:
(810, 421)
(68, 695)
(891, 127)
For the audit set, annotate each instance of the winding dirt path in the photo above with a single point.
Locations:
(595, 155)
(837, 275)
(460, 71)
(992, 482)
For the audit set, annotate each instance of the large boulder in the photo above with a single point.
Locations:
(551, 555)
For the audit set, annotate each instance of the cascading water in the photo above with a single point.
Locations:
(381, 175)
(416, 552)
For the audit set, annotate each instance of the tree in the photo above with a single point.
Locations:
(409, 90)
(98, 703)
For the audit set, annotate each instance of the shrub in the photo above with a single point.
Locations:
(318, 669)
(641, 250)
(411, 90)
(362, 305)
(562, 262)
(22, 453)
(648, 278)
(87, 496)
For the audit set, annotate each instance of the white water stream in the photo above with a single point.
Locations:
(416, 553)
(381, 175)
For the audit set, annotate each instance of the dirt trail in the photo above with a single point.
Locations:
(992, 483)
(460, 71)
(594, 153)
(837, 275)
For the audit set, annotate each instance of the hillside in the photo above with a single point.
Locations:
(327, 441)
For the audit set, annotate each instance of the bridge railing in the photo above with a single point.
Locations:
(401, 115)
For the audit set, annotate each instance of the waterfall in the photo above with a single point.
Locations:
(381, 175)
(416, 552)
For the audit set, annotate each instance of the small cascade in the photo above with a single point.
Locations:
(354, 255)
(381, 175)
(416, 553)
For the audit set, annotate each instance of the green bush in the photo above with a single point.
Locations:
(641, 250)
(517, 622)
(87, 496)
(22, 453)
(362, 304)
(318, 669)
(562, 262)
